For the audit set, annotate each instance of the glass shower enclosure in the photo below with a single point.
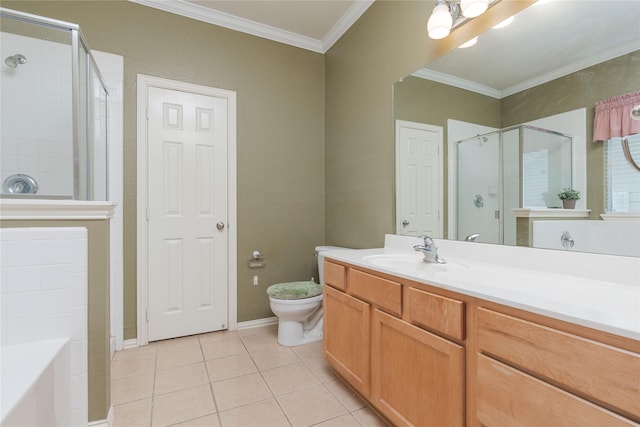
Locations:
(53, 117)
(517, 167)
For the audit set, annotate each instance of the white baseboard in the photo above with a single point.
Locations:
(104, 423)
(112, 346)
(258, 322)
(132, 343)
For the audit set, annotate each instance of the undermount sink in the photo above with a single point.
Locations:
(411, 263)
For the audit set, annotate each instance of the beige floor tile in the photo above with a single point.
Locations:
(172, 344)
(126, 367)
(308, 351)
(218, 336)
(346, 420)
(266, 413)
(273, 357)
(208, 421)
(311, 405)
(344, 394)
(137, 352)
(229, 367)
(367, 417)
(260, 341)
(286, 379)
(131, 388)
(182, 405)
(269, 330)
(240, 391)
(180, 377)
(321, 369)
(230, 347)
(136, 413)
(178, 357)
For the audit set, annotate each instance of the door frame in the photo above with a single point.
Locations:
(430, 128)
(144, 83)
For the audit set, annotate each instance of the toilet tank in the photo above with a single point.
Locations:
(319, 250)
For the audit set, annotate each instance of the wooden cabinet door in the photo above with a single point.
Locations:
(346, 347)
(417, 377)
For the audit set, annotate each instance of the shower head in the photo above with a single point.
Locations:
(15, 60)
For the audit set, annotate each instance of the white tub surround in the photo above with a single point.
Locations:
(36, 386)
(603, 237)
(597, 291)
(43, 296)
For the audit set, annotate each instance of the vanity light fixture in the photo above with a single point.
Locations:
(450, 13)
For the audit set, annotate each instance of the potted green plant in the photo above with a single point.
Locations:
(569, 196)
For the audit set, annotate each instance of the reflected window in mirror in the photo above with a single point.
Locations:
(622, 179)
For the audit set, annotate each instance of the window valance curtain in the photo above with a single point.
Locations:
(613, 117)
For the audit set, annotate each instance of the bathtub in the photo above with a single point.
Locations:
(604, 237)
(36, 385)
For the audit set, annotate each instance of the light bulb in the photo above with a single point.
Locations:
(504, 23)
(473, 8)
(440, 22)
(469, 43)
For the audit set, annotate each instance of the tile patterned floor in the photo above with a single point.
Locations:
(232, 379)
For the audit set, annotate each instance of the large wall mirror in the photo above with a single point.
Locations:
(488, 135)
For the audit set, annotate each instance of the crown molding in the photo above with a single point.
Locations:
(450, 80)
(349, 18)
(588, 61)
(200, 13)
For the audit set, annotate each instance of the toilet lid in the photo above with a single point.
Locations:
(294, 290)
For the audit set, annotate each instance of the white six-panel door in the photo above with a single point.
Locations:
(418, 179)
(187, 213)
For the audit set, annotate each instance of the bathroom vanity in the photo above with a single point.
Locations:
(440, 345)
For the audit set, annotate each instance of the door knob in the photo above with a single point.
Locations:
(405, 222)
(220, 225)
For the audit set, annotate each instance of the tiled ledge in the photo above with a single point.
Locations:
(620, 216)
(55, 209)
(550, 213)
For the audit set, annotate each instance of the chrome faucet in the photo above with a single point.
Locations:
(429, 250)
(472, 237)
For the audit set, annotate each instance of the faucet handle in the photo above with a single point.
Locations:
(428, 241)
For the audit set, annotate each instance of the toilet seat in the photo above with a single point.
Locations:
(294, 290)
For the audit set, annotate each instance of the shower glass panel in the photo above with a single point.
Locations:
(53, 138)
(478, 183)
(546, 167)
(516, 167)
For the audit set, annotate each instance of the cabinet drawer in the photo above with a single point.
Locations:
(435, 312)
(384, 293)
(335, 275)
(595, 371)
(508, 397)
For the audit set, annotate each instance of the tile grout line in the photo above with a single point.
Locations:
(213, 395)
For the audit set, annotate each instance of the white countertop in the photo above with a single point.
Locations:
(601, 292)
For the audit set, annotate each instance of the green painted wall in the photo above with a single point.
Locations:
(579, 90)
(387, 43)
(426, 101)
(280, 133)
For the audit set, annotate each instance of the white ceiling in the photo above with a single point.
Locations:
(309, 24)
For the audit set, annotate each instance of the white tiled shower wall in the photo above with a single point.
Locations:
(36, 114)
(43, 295)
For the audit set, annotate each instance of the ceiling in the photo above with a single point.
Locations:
(309, 24)
(545, 42)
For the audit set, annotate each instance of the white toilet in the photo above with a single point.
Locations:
(298, 306)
